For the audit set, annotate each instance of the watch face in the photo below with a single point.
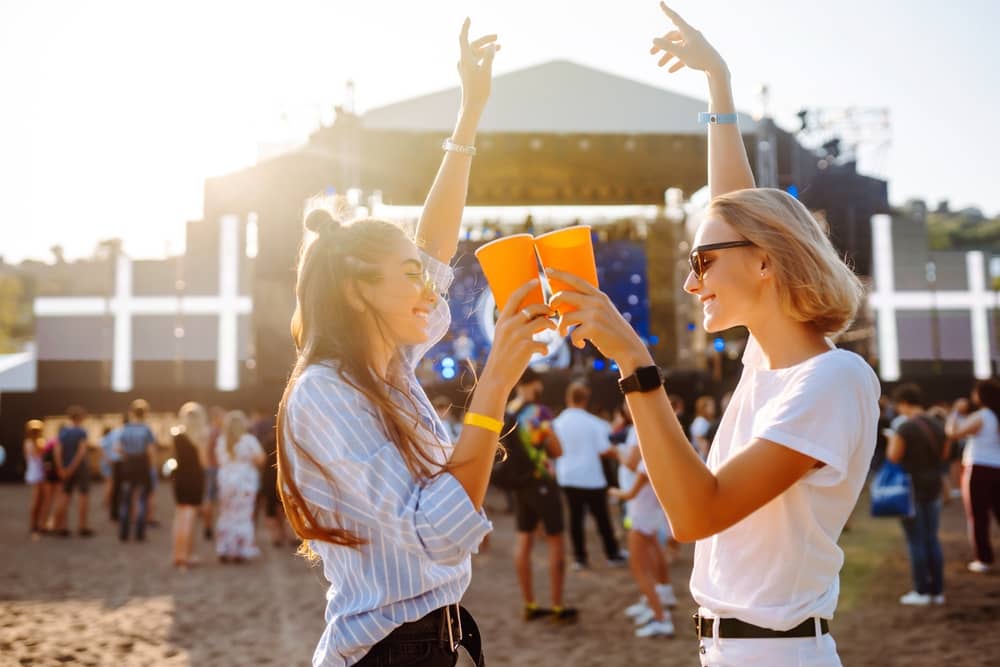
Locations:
(649, 378)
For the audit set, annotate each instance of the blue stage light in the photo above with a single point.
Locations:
(447, 362)
(719, 344)
(448, 373)
(598, 364)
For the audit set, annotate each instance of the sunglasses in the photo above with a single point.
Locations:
(699, 264)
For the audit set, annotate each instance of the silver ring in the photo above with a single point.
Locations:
(527, 316)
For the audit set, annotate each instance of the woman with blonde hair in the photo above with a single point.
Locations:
(793, 447)
(34, 476)
(240, 456)
(190, 452)
(367, 472)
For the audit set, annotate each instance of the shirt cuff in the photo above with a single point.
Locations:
(449, 523)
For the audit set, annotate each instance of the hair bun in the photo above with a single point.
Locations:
(321, 222)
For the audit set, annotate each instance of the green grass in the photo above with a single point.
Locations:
(868, 547)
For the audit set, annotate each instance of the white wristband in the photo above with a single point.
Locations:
(450, 145)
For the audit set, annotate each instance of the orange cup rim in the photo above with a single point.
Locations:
(563, 231)
(501, 239)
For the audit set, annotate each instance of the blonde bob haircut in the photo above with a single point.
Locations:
(814, 284)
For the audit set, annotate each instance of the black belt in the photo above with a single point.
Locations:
(452, 626)
(733, 628)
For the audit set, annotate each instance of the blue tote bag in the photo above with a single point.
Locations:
(892, 492)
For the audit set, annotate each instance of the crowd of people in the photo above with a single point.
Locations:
(220, 463)
(951, 451)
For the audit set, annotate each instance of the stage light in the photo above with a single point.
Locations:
(653, 340)
(447, 362)
(598, 364)
(690, 326)
(793, 190)
(448, 373)
(719, 344)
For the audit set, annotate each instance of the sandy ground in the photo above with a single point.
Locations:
(98, 602)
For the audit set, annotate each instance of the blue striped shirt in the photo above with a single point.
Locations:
(419, 535)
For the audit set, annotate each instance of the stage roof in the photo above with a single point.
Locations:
(557, 97)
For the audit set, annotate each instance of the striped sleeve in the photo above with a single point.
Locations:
(371, 485)
(440, 318)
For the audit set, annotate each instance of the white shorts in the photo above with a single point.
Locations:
(790, 652)
(653, 524)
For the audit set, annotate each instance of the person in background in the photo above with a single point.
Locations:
(111, 468)
(190, 446)
(274, 513)
(240, 456)
(216, 415)
(705, 413)
(646, 524)
(52, 484)
(962, 408)
(981, 477)
(528, 424)
(585, 441)
(34, 476)
(71, 461)
(918, 445)
(136, 450)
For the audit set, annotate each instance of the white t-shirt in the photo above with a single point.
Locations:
(983, 448)
(584, 437)
(780, 565)
(699, 427)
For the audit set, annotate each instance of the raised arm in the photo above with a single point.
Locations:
(728, 165)
(438, 228)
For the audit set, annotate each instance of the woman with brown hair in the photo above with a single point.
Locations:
(793, 448)
(367, 472)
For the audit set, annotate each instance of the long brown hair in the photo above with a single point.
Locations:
(325, 327)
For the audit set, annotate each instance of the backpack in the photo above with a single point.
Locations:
(514, 470)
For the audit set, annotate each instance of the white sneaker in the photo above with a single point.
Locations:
(644, 617)
(979, 567)
(636, 609)
(654, 628)
(666, 594)
(938, 599)
(916, 599)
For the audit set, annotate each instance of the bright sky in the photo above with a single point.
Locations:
(114, 112)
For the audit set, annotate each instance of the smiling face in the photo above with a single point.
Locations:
(403, 298)
(732, 280)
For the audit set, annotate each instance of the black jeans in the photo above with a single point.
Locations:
(425, 643)
(116, 489)
(135, 484)
(596, 502)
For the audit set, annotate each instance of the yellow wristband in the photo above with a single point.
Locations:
(482, 421)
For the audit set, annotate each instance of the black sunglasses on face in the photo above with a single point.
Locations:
(698, 262)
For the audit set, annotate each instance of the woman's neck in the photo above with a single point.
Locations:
(785, 343)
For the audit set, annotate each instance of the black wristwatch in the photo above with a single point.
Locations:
(646, 378)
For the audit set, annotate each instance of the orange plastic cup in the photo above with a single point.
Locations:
(508, 263)
(570, 250)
